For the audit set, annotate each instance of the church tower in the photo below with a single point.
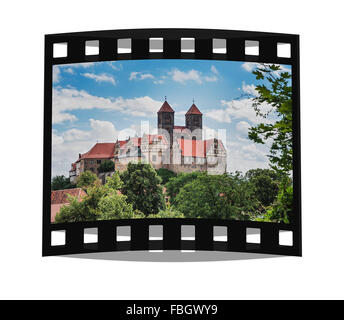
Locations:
(193, 121)
(166, 120)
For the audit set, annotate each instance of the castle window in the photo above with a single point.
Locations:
(99, 161)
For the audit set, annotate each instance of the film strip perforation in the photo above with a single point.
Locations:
(236, 237)
(127, 47)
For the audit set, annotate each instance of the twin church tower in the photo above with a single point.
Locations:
(193, 123)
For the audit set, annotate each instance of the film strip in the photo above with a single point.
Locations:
(200, 44)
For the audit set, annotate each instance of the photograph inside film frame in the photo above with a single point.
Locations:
(203, 139)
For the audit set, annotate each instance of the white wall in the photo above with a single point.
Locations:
(25, 274)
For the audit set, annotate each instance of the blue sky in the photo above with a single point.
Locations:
(104, 101)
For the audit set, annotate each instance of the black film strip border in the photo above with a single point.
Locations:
(235, 51)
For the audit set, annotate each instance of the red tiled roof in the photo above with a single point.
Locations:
(99, 151)
(122, 143)
(60, 196)
(136, 141)
(151, 137)
(179, 129)
(165, 108)
(194, 110)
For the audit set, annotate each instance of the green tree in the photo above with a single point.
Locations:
(106, 166)
(174, 185)
(218, 196)
(141, 185)
(282, 208)
(102, 202)
(85, 210)
(169, 212)
(276, 91)
(114, 206)
(61, 182)
(87, 179)
(165, 175)
(114, 182)
(265, 183)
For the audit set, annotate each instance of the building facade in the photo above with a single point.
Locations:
(174, 147)
(91, 160)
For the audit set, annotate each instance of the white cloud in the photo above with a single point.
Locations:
(69, 99)
(250, 66)
(66, 146)
(250, 89)
(210, 78)
(243, 127)
(214, 70)
(182, 77)
(160, 81)
(56, 74)
(243, 109)
(243, 155)
(140, 76)
(193, 75)
(69, 70)
(100, 77)
(115, 66)
(220, 115)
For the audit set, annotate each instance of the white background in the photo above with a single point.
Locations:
(25, 274)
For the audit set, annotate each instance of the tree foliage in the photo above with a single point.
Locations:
(167, 213)
(218, 196)
(275, 91)
(165, 175)
(114, 182)
(106, 166)
(61, 182)
(141, 185)
(115, 206)
(87, 179)
(265, 184)
(175, 184)
(85, 210)
(102, 202)
(282, 209)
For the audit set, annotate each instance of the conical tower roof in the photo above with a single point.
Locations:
(165, 107)
(193, 110)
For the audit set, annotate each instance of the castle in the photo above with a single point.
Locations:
(177, 148)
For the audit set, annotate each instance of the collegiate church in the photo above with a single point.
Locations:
(177, 148)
